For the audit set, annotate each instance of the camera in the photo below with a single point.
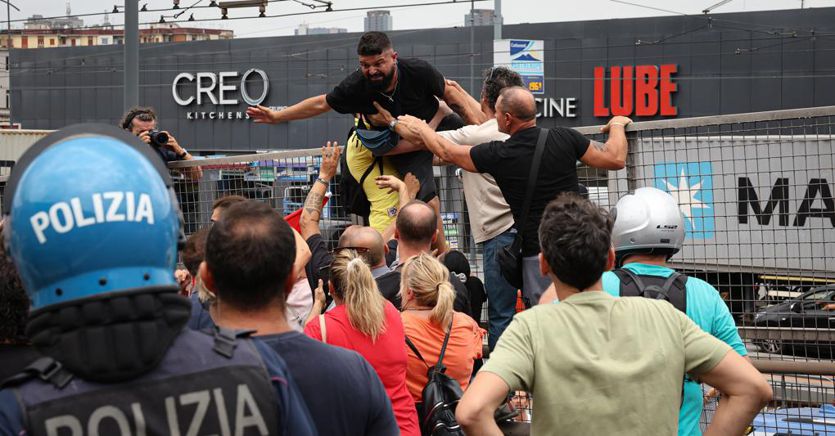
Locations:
(158, 138)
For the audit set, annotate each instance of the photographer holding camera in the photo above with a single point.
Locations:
(142, 122)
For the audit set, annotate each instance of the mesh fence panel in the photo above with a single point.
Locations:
(756, 191)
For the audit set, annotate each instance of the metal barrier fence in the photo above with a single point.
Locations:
(756, 191)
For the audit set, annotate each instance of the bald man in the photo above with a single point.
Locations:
(511, 163)
(367, 238)
(416, 228)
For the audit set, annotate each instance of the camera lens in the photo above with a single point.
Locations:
(158, 138)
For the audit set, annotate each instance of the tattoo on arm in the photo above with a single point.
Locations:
(313, 204)
(600, 146)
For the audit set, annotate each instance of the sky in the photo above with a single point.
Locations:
(411, 17)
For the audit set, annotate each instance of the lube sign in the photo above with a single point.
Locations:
(642, 90)
(226, 88)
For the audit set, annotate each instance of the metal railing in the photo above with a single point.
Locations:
(757, 194)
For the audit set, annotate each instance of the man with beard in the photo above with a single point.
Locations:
(400, 85)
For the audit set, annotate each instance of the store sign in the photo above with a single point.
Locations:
(526, 57)
(642, 90)
(227, 88)
(547, 107)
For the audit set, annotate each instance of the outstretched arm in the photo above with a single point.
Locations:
(312, 211)
(304, 109)
(612, 154)
(463, 103)
(417, 130)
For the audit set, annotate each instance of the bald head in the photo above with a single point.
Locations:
(366, 237)
(517, 101)
(416, 223)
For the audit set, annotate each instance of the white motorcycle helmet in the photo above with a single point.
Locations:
(647, 221)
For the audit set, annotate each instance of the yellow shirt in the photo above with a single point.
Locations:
(383, 204)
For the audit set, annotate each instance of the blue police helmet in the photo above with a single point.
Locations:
(91, 211)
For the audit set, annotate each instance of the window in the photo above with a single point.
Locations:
(25, 41)
(51, 41)
(40, 41)
(90, 40)
(72, 42)
(105, 40)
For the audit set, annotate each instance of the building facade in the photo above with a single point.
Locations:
(46, 37)
(479, 17)
(379, 21)
(305, 29)
(679, 66)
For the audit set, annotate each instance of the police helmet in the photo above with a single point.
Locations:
(647, 221)
(91, 211)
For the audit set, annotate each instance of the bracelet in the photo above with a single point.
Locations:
(323, 181)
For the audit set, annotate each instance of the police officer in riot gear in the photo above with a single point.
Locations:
(649, 229)
(93, 227)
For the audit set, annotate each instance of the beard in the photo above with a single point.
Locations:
(380, 82)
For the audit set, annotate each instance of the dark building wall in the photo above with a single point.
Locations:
(733, 63)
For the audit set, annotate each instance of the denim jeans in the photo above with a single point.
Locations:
(501, 295)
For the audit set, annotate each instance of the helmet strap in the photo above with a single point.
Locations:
(111, 337)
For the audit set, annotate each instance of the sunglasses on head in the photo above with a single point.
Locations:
(325, 271)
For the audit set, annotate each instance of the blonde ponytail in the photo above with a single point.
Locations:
(428, 279)
(356, 286)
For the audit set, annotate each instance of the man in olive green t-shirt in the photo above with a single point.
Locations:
(597, 364)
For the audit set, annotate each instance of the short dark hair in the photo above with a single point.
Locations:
(495, 80)
(575, 236)
(250, 253)
(414, 226)
(195, 250)
(142, 113)
(14, 303)
(373, 43)
(226, 201)
(518, 102)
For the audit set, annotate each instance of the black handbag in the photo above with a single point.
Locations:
(510, 256)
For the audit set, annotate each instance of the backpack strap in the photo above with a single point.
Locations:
(415, 350)
(674, 288)
(440, 367)
(44, 368)
(226, 340)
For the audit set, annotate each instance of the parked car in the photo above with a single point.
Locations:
(807, 311)
(818, 421)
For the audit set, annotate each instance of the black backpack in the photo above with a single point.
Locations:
(356, 202)
(672, 289)
(440, 397)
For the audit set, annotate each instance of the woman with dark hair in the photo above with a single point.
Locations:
(459, 266)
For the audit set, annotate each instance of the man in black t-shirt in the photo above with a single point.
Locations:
(415, 230)
(400, 85)
(510, 163)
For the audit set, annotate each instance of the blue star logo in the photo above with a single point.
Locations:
(691, 184)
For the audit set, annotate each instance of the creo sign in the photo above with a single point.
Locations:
(220, 89)
(641, 90)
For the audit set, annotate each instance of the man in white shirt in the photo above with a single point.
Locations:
(491, 221)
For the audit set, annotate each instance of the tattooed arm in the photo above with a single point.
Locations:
(312, 211)
(612, 154)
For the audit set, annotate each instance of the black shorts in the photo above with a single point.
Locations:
(418, 163)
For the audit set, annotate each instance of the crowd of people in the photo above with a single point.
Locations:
(266, 331)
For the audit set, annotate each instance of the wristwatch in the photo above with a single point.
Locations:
(393, 124)
(182, 155)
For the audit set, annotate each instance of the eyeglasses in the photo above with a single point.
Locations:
(360, 250)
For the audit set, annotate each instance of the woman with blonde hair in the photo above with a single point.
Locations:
(367, 323)
(427, 302)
